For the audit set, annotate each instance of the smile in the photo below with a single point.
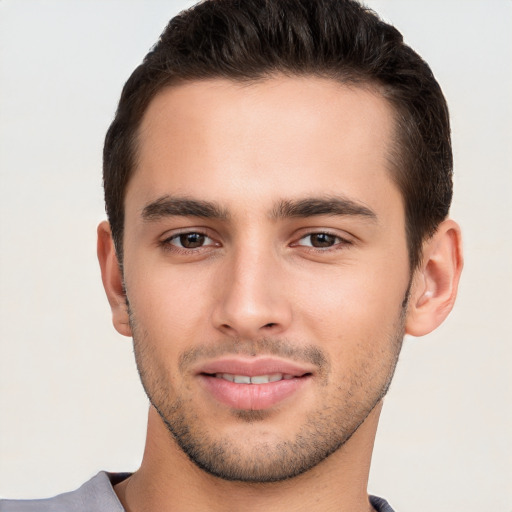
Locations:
(253, 383)
(256, 379)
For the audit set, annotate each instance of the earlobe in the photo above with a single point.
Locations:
(435, 282)
(112, 279)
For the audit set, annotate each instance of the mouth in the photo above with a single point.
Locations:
(256, 379)
(253, 384)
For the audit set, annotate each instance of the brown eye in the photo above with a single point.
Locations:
(190, 240)
(322, 240)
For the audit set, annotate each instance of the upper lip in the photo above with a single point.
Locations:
(254, 366)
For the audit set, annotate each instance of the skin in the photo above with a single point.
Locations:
(254, 285)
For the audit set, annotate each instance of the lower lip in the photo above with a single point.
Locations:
(252, 397)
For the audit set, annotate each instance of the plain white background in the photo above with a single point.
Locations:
(70, 401)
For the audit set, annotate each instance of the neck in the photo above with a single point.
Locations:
(167, 480)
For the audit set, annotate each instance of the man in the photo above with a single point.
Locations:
(277, 182)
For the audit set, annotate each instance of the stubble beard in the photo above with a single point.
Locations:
(324, 431)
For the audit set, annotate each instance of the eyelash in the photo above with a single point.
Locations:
(339, 243)
(169, 246)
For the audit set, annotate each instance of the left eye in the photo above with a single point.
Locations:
(190, 240)
(320, 240)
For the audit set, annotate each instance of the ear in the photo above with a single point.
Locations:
(113, 279)
(436, 280)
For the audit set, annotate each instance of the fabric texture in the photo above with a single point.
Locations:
(97, 495)
(380, 504)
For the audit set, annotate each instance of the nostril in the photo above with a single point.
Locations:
(270, 324)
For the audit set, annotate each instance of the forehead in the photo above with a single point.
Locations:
(281, 137)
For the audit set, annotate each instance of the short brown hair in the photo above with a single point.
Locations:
(246, 40)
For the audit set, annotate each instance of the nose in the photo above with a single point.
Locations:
(251, 297)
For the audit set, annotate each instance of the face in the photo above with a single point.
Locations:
(266, 269)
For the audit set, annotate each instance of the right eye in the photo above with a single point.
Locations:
(191, 240)
(320, 240)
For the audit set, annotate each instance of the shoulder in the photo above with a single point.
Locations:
(97, 494)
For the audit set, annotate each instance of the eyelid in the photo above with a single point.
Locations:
(173, 233)
(175, 238)
(341, 240)
(166, 240)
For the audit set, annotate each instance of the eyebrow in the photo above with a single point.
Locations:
(322, 206)
(171, 206)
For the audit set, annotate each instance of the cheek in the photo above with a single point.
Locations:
(171, 305)
(361, 331)
(354, 307)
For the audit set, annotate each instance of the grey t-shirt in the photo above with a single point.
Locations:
(97, 495)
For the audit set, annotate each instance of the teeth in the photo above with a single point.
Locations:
(257, 379)
(262, 379)
(242, 379)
